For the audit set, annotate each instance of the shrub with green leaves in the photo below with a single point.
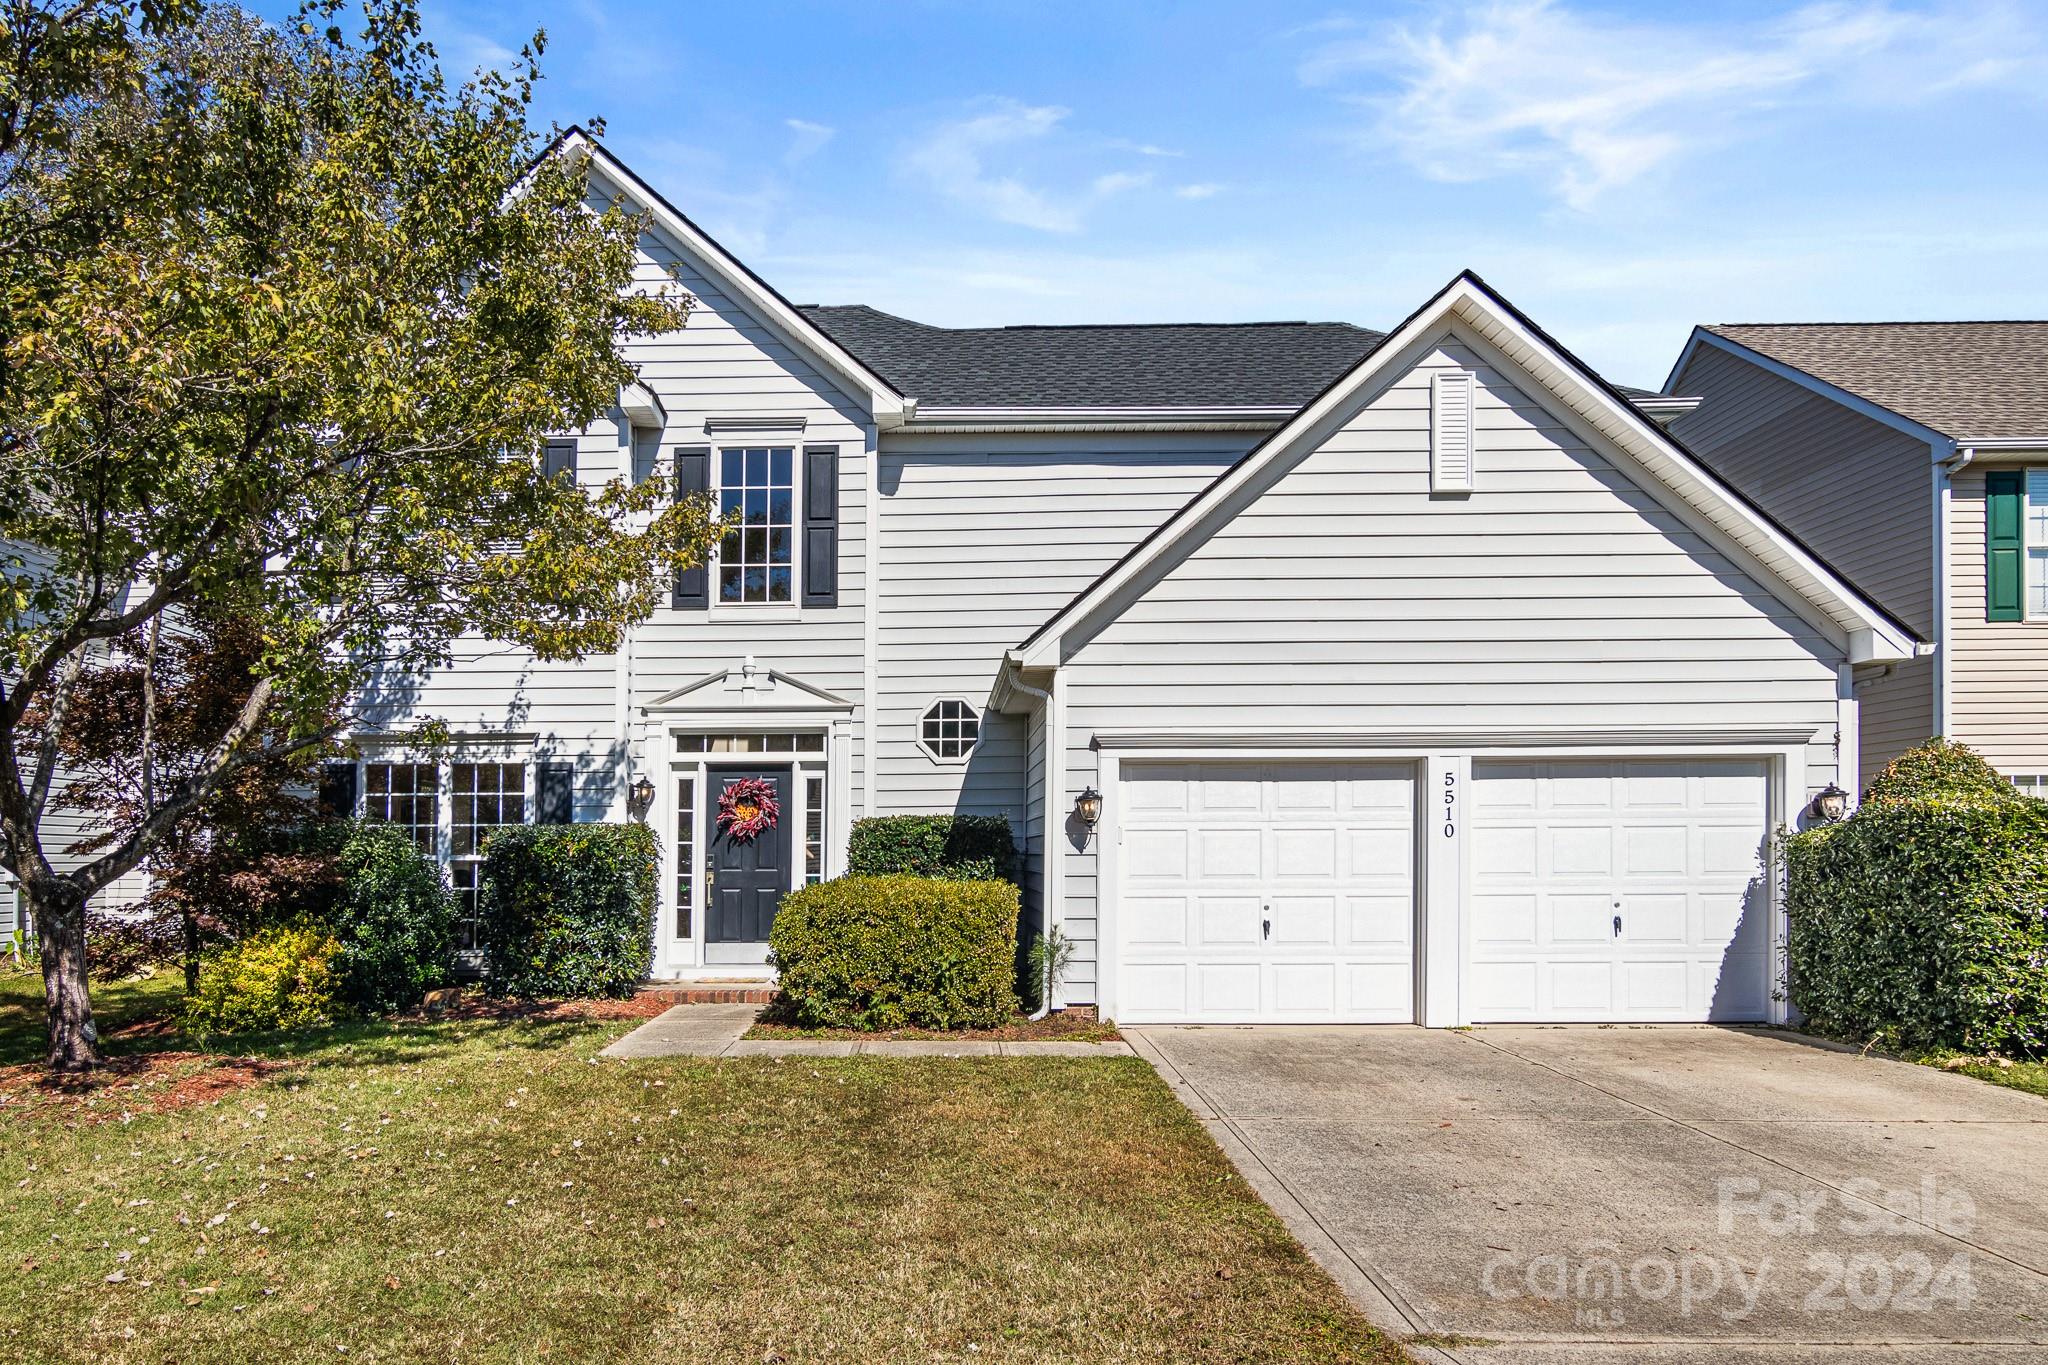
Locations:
(1918, 922)
(282, 977)
(897, 952)
(568, 910)
(395, 918)
(965, 847)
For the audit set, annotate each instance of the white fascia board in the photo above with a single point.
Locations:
(1865, 633)
(1856, 403)
(888, 407)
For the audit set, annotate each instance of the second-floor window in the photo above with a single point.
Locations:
(756, 559)
(2036, 544)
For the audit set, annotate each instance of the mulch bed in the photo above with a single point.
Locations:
(1054, 1028)
(474, 1005)
(141, 1083)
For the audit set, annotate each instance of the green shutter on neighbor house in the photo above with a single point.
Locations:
(2004, 549)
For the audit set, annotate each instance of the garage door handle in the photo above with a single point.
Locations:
(1266, 924)
(1617, 926)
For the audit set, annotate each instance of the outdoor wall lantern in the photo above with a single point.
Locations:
(1831, 804)
(640, 798)
(1088, 807)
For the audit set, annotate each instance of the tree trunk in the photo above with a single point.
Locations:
(59, 911)
(191, 949)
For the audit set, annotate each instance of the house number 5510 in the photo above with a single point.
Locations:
(1450, 805)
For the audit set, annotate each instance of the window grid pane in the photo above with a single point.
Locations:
(487, 796)
(686, 847)
(950, 729)
(755, 558)
(814, 830)
(407, 795)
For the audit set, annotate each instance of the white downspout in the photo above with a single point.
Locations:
(1047, 849)
(1946, 467)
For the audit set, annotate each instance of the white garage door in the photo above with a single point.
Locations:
(1266, 893)
(1624, 890)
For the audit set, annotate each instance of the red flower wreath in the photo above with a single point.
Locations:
(747, 806)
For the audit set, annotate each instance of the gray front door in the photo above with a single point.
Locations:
(748, 876)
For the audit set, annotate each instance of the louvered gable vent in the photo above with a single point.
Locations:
(1450, 432)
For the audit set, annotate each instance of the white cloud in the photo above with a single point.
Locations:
(1201, 191)
(952, 160)
(1116, 182)
(464, 50)
(809, 139)
(1587, 102)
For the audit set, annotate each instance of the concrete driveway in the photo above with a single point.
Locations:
(1674, 1194)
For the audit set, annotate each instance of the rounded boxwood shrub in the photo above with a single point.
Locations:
(966, 847)
(282, 977)
(1918, 922)
(395, 919)
(568, 910)
(897, 952)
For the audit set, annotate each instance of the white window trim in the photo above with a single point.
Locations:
(2033, 549)
(792, 610)
(973, 712)
(444, 777)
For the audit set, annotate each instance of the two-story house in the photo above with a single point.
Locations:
(1324, 674)
(1913, 458)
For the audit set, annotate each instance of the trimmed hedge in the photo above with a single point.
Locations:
(963, 847)
(282, 977)
(1918, 922)
(395, 918)
(898, 952)
(568, 910)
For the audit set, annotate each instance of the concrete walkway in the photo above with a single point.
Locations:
(1659, 1195)
(714, 1031)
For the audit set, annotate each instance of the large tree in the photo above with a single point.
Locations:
(285, 320)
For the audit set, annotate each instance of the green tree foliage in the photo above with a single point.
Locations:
(1919, 922)
(285, 320)
(897, 952)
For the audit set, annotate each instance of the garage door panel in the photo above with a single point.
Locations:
(1158, 921)
(1322, 851)
(1677, 855)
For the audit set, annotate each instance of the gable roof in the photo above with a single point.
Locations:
(886, 403)
(1194, 364)
(1965, 380)
(1869, 631)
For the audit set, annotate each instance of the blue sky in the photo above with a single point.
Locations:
(1621, 172)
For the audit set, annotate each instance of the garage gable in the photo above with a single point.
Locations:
(1383, 431)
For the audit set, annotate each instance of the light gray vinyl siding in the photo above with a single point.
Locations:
(1343, 596)
(725, 365)
(1896, 704)
(1032, 835)
(1998, 670)
(983, 538)
(1858, 492)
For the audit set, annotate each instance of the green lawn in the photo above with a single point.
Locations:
(487, 1191)
(2031, 1077)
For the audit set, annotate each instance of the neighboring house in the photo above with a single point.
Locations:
(1416, 676)
(1913, 458)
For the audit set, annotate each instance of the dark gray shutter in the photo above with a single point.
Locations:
(338, 788)
(560, 459)
(554, 794)
(693, 475)
(821, 526)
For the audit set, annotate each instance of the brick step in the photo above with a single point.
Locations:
(712, 992)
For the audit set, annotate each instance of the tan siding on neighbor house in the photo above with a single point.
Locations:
(1998, 670)
(1858, 492)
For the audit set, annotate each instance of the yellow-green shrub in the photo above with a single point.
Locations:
(898, 952)
(283, 977)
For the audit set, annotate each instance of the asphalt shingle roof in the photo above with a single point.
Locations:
(1254, 364)
(1967, 380)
